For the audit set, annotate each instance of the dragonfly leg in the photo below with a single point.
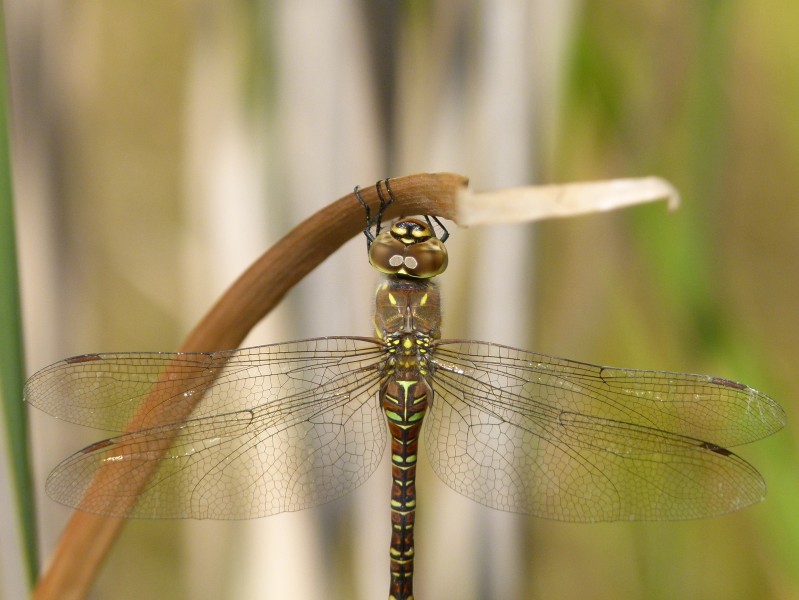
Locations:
(370, 237)
(445, 235)
(384, 203)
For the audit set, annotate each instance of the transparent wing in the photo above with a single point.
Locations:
(530, 433)
(277, 428)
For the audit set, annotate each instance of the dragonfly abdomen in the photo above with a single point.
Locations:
(405, 398)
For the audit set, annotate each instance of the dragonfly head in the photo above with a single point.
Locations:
(409, 249)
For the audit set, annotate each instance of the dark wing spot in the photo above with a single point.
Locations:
(715, 448)
(728, 383)
(97, 446)
(82, 358)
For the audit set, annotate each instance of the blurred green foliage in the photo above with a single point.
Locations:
(697, 93)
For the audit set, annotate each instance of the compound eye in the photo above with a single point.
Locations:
(387, 254)
(426, 259)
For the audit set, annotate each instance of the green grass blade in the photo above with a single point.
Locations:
(11, 355)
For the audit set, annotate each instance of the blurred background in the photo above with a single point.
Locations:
(160, 146)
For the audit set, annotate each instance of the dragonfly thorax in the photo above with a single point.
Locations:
(407, 308)
(409, 352)
(408, 320)
(409, 249)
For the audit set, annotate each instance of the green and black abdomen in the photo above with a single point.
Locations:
(405, 398)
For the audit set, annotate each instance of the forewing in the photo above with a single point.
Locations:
(530, 433)
(106, 391)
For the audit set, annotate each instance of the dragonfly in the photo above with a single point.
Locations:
(288, 426)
